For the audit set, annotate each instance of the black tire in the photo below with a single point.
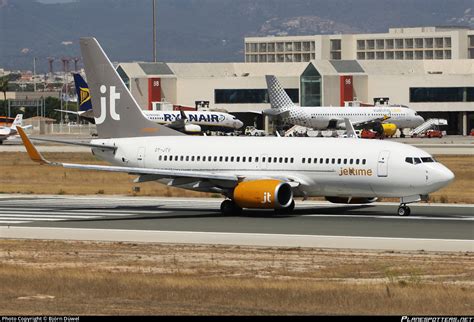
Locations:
(403, 211)
(229, 207)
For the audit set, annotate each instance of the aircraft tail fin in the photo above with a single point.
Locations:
(17, 122)
(278, 97)
(82, 91)
(116, 113)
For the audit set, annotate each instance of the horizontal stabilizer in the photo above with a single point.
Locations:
(91, 145)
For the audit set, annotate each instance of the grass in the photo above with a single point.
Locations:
(18, 174)
(70, 277)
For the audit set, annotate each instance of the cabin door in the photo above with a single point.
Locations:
(382, 164)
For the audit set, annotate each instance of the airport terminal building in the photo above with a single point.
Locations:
(435, 86)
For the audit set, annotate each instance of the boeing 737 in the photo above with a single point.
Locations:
(11, 131)
(383, 119)
(188, 122)
(263, 173)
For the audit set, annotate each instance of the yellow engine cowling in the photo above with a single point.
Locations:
(389, 129)
(353, 200)
(264, 194)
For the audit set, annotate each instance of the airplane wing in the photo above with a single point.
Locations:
(229, 178)
(371, 121)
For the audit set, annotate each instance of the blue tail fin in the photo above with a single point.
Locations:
(83, 94)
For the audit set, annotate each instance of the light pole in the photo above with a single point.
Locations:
(154, 31)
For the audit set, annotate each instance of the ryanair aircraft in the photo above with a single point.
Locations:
(265, 173)
(383, 119)
(188, 122)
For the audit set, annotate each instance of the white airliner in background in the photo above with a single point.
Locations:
(7, 132)
(188, 122)
(265, 173)
(382, 118)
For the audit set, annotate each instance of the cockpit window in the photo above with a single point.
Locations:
(417, 160)
(427, 159)
(409, 160)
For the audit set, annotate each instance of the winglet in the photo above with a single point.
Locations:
(30, 148)
(351, 133)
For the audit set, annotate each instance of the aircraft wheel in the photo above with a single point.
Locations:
(404, 211)
(229, 207)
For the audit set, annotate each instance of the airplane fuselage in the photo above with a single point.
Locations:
(321, 118)
(323, 167)
(214, 119)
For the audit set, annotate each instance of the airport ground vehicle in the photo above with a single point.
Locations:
(252, 131)
(433, 133)
(265, 173)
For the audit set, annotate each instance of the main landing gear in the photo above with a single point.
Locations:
(229, 207)
(404, 210)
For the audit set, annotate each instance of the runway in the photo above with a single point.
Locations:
(178, 220)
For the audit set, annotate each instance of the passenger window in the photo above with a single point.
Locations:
(315, 160)
(198, 158)
(176, 158)
(231, 159)
(192, 158)
(409, 160)
(338, 161)
(181, 158)
(321, 160)
(243, 159)
(345, 161)
(286, 160)
(327, 160)
(275, 159)
(309, 160)
(280, 160)
(363, 161)
(226, 159)
(250, 159)
(333, 161)
(357, 161)
(303, 160)
(351, 161)
(221, 158)
(238, 159)
(263, 159)
(187, 158)
(292, 160)
(256, 159)
(417, 160)
(159, 158)
(269, 160)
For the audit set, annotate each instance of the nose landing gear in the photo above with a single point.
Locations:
(404, 210)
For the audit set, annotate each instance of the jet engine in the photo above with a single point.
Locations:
(192, 128)
(266, 194)
(351, 200)
(389, 129)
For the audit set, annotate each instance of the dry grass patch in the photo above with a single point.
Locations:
(66, 277)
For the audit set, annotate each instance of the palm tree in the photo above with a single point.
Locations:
(4, 88)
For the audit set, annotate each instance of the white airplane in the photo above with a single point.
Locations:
(7, 132)
(189, 121)
(264, 173)
(383, 119)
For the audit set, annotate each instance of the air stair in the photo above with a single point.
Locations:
(430, 123)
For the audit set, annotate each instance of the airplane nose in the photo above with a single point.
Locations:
(238, 124)
(442, 176)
